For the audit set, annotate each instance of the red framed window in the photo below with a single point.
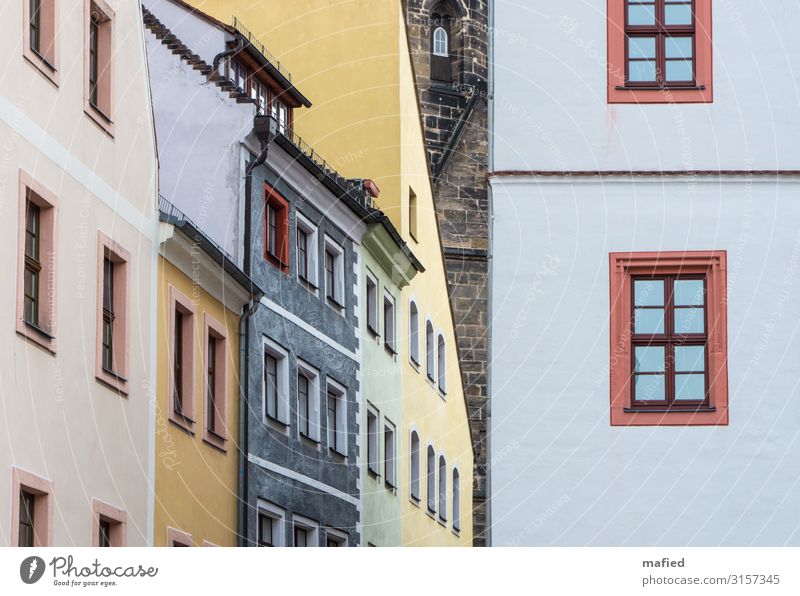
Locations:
(659, 51)
(276, 229)
(668, 338)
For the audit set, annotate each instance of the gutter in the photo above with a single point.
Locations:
(244, 407)
(487, 535)
(218, 58)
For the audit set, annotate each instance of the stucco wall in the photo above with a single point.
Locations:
(561, 474)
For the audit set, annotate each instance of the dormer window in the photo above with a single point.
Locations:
(441, 42)
(255, 83)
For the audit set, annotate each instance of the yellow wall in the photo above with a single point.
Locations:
(196, 483)
(350, 57)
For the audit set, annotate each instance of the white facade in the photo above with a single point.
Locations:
(561, 474)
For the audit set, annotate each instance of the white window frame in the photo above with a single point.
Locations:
(415, 481)
(310, 526)
(338, 291)
(437, 42)
(456, 500)
(441, 508)
(373, 441)
(338, 535)
(389, 326)
(341, 417)
(413, 333)
(390, 455)
(312, 251)
(278, 516)
(430, 351)
(282, 356)
(441, 363)
(314, 400)
(372, 298)
(431, 486)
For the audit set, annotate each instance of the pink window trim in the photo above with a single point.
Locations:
(174, 535)
(616, 61)
(118, 519)
(48, 203)
(46, 61)
(212, 326)
(103, 117)
(117, 379)
(43, 506)
(714, 265)
(178, 300)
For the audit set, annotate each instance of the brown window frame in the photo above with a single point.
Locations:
(276, 235)
(33, 263)
(107, 332)
(660, 31)
(669, 339)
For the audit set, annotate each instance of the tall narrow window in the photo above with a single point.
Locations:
(413, 333)
(440, 48)
(431, 479)
(240, 75)
(442, 368)
(412, 214)
(334, 274)
(211, 384)
(302, 254)
(31, 509)
(303, 404)
(260, 93)
(99, 61)
(300, 536)
(35, 25)
(372, 305)
(94, 58)
(216, 382)
(440, 42)
(337, 418)
(178, 364)
(456, 500)
(414, 467)
(26, 518)
(272, 229)
(372, 441)
(112, 307)
(182, 360)
(305, 532)
(40, 36)
(276, 227)
(109, 525)
(388, 324)
(108, 314)
(442, 488)
(430, 350)
(271, 384)
(271, 525)
(388, 454)
(104, 533)
(307, 247)
(266, 530)
(33, 265)
(333, 417)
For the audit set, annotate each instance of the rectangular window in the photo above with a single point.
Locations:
(270, 525)
(276, 383)
(31, 510)
(178, 538)
(305, 532)
(308, 400)
(334, 274)
(303, 408)
(373, 455)
(215, 382)
(182, 359)
(276, 229)
(112, 308)
(372, 305)
(99, 63)
(300, 536)
(307, 252)
(669, 359)
(335, 538)
(337, 418)
(388, 324)
(412, 214)
(40, 41)
(260, 93)
(240, 75)
(266, 530)
(109, 524)
(659, 51)
(36, 300)
(388, 454)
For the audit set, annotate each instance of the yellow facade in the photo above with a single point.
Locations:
(351, 58)
(196, 482)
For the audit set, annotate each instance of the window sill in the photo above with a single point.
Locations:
(275, 261)
(414, 364)
(335, 304)
(309, 439)
(185, 423)
(430, 514)
(684, 410)
(42, 65)
(390, 350)
(337, 454)
(442, 522)
(390, 487)
(215, 440)
(38, 330)
(308, 284)
(100, 118)
(272, 419)
(373, 474)
(414, 501)
(660, 88)
(442, 394)
(113, 381)
(373, 332)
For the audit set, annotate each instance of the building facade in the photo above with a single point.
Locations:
(449, 47)
(79, 189)
(644, 290)
(381, 134)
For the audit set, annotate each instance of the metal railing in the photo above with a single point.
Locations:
(174, 215)
(245, 32)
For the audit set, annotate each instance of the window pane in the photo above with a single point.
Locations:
(690, 358)
(690, 387)
(677, 47)
(678, 14)
(649, 293)
(679, 70)
(640, 72)
(689, 320)
(650, 387)
(649, 359)
(649, 320)
(641, 47)
(641, 14)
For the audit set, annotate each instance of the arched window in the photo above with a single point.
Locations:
(415, 466)
(442, 365)
(413, 332)
(456, 500)
(429, 351)
(431, 480)
(442, 488)
(441, 42)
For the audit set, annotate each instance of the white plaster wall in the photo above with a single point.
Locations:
(561, 475)
(550, 94)
(205, 39)
(200, 130)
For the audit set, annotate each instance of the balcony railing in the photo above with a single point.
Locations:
(245, 32)
(172, 214)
